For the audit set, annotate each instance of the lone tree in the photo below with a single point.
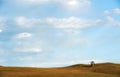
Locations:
(92, 63)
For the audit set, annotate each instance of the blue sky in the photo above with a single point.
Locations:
(55, 33)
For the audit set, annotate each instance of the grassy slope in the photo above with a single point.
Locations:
(100, 70)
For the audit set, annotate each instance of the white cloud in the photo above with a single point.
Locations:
(106, 12)
(1, 30)
(29, 49)
(110, 20)
(2, 24)
(26, 58)
(75, 4)
(116, 11)
(68, 4)
(21, 20)
(26, 22)
(71, 24)
(23, 35)
(33, 1)
(112, 11)
(36, 1)
(28, 46)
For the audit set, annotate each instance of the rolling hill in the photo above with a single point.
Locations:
(79, 70)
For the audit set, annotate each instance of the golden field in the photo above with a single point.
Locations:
(79, 70)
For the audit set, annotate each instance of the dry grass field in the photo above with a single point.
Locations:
(80, 70)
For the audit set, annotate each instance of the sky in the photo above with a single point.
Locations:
(57, 33)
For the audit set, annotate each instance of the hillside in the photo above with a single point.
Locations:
(79, 70)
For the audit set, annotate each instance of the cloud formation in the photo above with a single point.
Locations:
(111, 16)
(72, 23)
(67, 24)
(2, 24)
(111, 21)
(38, 32)
(28, 49)
(112, 11)
(26, 22)
(23, 35)
(67, 4)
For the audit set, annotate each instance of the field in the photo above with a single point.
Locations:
(79, 70)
